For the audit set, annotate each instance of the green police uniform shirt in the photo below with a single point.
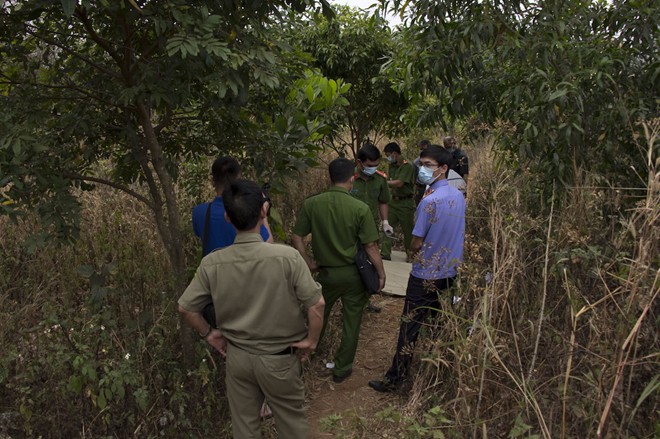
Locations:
(336, 221)
(405, 172)
(372, 190)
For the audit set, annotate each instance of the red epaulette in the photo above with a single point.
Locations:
(381, 173)
(357, 175)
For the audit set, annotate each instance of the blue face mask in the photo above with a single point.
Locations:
(425, 175)
(369, 170)
(391, 159)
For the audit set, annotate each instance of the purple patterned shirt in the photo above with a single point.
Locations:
(440, 221)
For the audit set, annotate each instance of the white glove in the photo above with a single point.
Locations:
(387, 229)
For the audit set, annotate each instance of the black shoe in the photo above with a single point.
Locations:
(373, 308)
(384, 386)
(341, 379)
(386, 258)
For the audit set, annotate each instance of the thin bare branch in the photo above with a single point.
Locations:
(112, 184)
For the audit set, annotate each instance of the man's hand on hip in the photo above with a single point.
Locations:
(218, 341)
(305, 347)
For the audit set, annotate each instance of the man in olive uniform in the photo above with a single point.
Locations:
(259, 291)
(402, 207)
(337, 223)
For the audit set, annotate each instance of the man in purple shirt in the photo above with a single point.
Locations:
(438, 238)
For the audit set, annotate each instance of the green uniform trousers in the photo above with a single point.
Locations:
(344, 283)
(402, 212)
(252, 377)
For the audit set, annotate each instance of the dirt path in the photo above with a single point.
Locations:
(344, 403)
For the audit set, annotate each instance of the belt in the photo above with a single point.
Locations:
(402, 198)
(288, 351)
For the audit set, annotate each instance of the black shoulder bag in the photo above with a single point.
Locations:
(367, 270)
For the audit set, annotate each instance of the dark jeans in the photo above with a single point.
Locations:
(422, 302)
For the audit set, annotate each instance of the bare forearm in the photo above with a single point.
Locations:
(315, 320)
(299, 244)
(416, 243)
(383, 210)
(395, 183)
(195, 321)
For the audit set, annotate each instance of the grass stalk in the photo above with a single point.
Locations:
(545, 286)
(569, 365)
(622, 362)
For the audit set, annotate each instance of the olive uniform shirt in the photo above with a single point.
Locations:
(406, 173)
(372, 190)
(336, 221)
(257, 289)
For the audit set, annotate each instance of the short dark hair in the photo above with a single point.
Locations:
(368, 152)
(225, 170)
(341, 170)
(243, 200)
(392, 147)
(424, 143)
(449, 141)
(439, 154)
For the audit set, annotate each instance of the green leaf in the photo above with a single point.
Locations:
(85, 271)
(519, 428)
(557, 94)
(69, 6)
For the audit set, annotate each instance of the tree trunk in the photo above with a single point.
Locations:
(168, 221)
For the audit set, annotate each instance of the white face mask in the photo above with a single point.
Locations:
(391, 159)
(425, 175)
(369, 170)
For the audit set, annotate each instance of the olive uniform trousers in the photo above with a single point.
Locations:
(250, 378)
(401, 212)
(344, 283)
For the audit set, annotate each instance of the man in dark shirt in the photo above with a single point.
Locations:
(460, 164)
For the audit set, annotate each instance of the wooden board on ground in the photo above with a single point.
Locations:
(397, 271)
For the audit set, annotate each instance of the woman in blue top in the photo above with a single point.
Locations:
(219, 233)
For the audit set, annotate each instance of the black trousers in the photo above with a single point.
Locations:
(422, 302)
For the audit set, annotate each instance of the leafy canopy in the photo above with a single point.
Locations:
(564, 82)
(141, 87)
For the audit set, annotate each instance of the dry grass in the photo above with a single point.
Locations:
(561, 341)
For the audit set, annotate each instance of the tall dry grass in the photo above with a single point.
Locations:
(90, 333)
(556, 333)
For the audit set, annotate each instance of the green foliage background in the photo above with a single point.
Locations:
(111, 111)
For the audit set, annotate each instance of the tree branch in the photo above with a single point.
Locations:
(112, 184)
(71, 52)
(165, 122)
(81, 13)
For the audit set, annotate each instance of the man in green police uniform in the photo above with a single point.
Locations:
(402, 207)
(371, 186)
(337, 223)
(258, 291)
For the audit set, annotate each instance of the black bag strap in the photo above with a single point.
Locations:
(205, 239)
